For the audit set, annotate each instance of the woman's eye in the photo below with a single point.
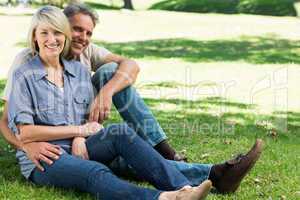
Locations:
(57, 33)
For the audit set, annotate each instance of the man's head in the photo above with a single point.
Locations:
(83, 21)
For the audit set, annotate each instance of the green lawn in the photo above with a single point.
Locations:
(194, 127)
(198, 75)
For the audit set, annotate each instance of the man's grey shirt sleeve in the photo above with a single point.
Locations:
(20, 59)
(98, 55)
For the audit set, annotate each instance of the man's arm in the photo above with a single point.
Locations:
(7, 133)
(125, 75)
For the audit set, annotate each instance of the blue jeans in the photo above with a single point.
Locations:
(138, 116)
(94, 177)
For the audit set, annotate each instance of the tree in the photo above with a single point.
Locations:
(128, 4)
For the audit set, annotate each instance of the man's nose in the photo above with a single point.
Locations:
(83, 36)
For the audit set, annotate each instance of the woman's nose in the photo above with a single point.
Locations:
(51, 37)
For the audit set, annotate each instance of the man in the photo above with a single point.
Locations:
(113, 81)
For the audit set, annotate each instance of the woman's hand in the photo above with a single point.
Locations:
(79, 148)
(89, 128)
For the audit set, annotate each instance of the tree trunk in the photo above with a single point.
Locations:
(128, 4)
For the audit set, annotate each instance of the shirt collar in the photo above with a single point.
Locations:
(40, 71)
(68, 67)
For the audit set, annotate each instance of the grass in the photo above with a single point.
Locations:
(194, 127)
(217, 49)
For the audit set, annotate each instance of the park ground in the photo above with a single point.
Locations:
(215, 83)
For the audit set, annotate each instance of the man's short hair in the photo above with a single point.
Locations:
(79, 8)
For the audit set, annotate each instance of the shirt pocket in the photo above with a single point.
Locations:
(50, 115)
(82, 107)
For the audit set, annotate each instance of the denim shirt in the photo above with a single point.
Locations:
(35, 100)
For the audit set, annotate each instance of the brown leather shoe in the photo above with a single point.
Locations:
(236, 169)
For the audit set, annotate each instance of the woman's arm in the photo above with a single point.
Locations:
(36, 133)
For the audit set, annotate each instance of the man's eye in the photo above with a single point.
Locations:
(78, 29)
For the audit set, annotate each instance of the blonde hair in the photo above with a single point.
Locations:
(56, 19)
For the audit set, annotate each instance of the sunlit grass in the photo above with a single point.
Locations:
(205, 135)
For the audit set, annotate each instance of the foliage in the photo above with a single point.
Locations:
(203, 6)
(261, 7)
(268, 7)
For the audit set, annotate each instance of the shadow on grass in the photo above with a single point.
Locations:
(101, 6)
(258, 50)
(200, 6)
(192, 117)
(2, 86)
(175, 84)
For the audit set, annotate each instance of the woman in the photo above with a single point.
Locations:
(49, 102)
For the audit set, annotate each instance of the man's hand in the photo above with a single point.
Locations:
(41, 151)
(89, 128)
(100, 108)
(79, 148)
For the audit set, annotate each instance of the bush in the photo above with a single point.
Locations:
(261, 7)
(268, 7)
(202, 6)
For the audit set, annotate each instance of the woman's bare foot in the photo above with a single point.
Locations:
(188, 193)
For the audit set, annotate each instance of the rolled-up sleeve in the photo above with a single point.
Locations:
(20, 106)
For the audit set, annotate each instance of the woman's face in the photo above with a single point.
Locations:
(50, 41)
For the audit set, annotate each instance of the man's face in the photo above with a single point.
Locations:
(82, 30)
